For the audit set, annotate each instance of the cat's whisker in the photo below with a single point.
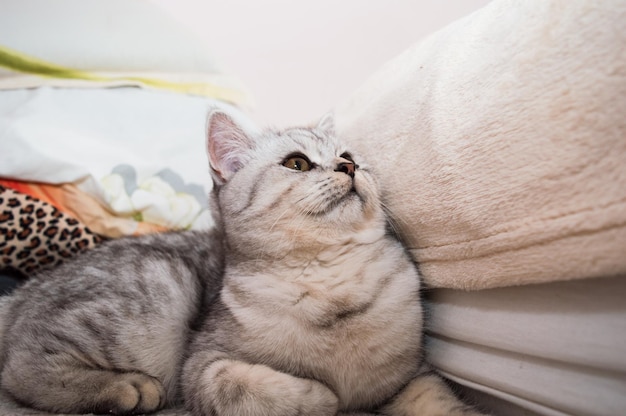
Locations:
(268, 239)
(396, 224)
(280, 217)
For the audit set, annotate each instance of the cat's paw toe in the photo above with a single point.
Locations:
(137, 393)
(323, 402)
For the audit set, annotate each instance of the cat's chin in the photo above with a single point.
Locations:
(352, 209)
(350, 200)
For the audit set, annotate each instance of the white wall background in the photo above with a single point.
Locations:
(300, 58)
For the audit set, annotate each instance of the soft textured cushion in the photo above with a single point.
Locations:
(500, 142)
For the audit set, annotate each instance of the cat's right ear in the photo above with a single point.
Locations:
(228, 146)
(327, 124)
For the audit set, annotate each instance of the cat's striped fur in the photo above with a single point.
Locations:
(106, 332)
(318, 313)
(320, 310)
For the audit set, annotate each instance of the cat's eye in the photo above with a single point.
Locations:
(347, 156)
(298, 162)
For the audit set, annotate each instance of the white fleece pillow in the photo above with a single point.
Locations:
(501, 143)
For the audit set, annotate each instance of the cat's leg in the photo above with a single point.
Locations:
(429, 395)
(85, 390)
(217, 385)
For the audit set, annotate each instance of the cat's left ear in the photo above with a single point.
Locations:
(228, 145)
(327, 124)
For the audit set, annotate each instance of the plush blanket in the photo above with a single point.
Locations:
(501, 144)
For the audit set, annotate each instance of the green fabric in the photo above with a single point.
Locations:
(19, 62)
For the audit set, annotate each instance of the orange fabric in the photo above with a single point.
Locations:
(70, 200)
(52, 194)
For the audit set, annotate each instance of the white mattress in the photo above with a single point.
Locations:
(549, 349)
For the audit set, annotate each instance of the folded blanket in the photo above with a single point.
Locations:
(500, 143)
(114, 43)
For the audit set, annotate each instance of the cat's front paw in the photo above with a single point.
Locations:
(241, 389)
(428, 395)
(132, 393)
(321, 401)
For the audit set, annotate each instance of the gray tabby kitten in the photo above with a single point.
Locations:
(319, 311)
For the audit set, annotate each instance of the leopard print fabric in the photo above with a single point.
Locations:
(35, 235)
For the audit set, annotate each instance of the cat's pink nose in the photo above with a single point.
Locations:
(346, 167)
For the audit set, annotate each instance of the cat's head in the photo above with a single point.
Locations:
(290, 190)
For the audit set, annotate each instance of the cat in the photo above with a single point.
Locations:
(300, 302)
(320, 308)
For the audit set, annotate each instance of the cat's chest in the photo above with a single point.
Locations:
(321, 296)
(338, 325)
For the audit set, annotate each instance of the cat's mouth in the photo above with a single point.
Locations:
(351, 194)
(336, 197)
(343, 200)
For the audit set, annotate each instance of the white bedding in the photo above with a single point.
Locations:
(500, 146)
(96, 44)
(552, 349)
(138, 153)
(499, 141)
(102, 112)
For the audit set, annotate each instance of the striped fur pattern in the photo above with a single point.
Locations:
(299, 304)
(320, 308)
(106, 332)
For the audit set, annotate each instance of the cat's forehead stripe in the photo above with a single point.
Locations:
(303, 138)
(307, 134)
